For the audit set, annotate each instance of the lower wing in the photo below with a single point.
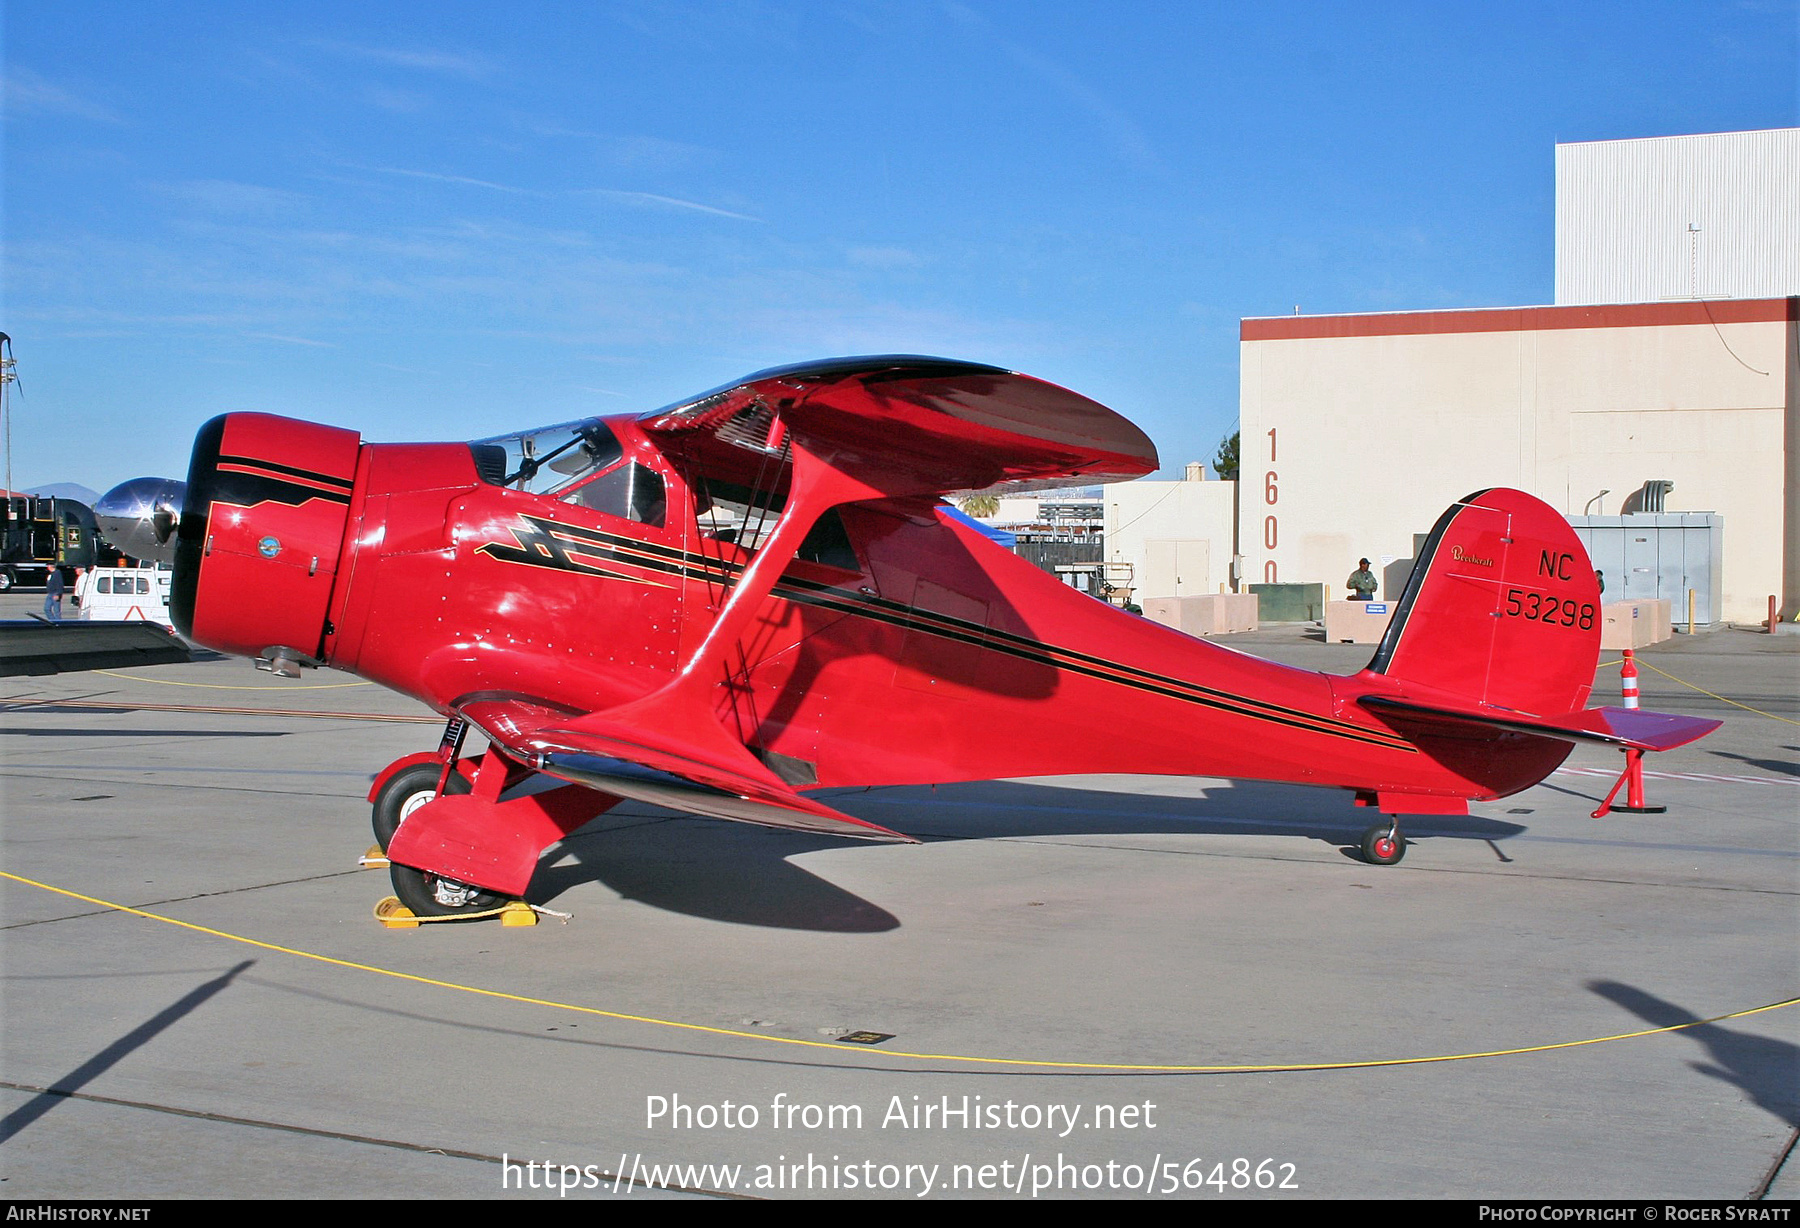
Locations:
(649, 753)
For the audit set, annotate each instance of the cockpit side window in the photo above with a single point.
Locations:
(746, 517)
(630, 490)
(828, 543)
(548, 460)
(737, 514)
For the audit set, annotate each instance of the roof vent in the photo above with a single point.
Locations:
(1647, 498)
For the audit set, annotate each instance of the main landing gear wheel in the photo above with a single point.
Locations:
(427, 895)
(409, 789)
(1383, 845)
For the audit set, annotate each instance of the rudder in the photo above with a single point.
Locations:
(1502, 608)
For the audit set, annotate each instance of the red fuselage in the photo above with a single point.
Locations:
(904, 648)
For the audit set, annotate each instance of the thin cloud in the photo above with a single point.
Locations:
(230, 196)
(286, 340)
(404, 102)
(26, 92)
(884, 257)
(421, 59)
(651, 199)
(671, 202)
(636, 152)
(464, 180)
(1128, 140)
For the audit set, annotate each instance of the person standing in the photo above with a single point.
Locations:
(82, 580)
(1361, 583)
(54, 588)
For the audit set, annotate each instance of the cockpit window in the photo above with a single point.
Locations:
(630, 491)
(746, 517)
(547, 460)
(738, 514)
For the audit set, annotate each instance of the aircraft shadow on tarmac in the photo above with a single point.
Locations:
(745, 875)
(1783, 767)
(1765, 1069)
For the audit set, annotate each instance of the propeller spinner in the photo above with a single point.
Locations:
(140, 516)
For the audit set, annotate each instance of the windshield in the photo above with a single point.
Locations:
(550, 458)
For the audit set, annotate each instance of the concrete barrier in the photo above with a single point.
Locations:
(1634, 624)
(1357, 622)
(1212, 614)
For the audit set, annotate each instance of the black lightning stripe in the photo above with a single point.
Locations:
(311, 475)
(249, 489)
(546, 543)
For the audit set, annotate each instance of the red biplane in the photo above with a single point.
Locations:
(727, 604)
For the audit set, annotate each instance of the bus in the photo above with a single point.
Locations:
(41, 532)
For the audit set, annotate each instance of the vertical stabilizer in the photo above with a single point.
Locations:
(1502, 609)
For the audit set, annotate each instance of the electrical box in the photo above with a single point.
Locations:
(1658, 555)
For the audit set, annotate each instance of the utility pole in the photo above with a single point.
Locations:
(7, 377)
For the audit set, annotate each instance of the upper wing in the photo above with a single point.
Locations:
(644, 758)
(856, 428)
(924, 425)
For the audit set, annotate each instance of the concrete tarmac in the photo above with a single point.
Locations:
(1029, 964)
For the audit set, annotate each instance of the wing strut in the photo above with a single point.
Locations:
(817, 488)
(675, 731)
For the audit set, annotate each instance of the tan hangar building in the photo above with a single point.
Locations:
(1359, 430)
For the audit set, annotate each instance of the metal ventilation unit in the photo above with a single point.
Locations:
(1653, 555)
(1648, 497)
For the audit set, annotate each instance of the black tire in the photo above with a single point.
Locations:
(1382, 845)
(7, 579)
(404, 792)
(418, 891)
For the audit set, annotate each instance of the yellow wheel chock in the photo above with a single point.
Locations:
(394, 915)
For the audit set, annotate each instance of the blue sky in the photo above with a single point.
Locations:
(445, 220)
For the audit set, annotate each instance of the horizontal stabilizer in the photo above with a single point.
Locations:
(1627, 727)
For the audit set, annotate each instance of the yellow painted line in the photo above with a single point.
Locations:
(865, 1050)
(219, 686)
(1690, 686)
(1734, 703)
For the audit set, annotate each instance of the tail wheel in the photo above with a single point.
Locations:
(409, 789)
(1383, 845)
(429, 895)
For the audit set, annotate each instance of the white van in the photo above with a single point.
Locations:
(125, 594)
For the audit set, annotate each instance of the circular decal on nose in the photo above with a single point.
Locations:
(268, 547)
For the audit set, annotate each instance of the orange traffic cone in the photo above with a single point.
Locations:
(1632, 778)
